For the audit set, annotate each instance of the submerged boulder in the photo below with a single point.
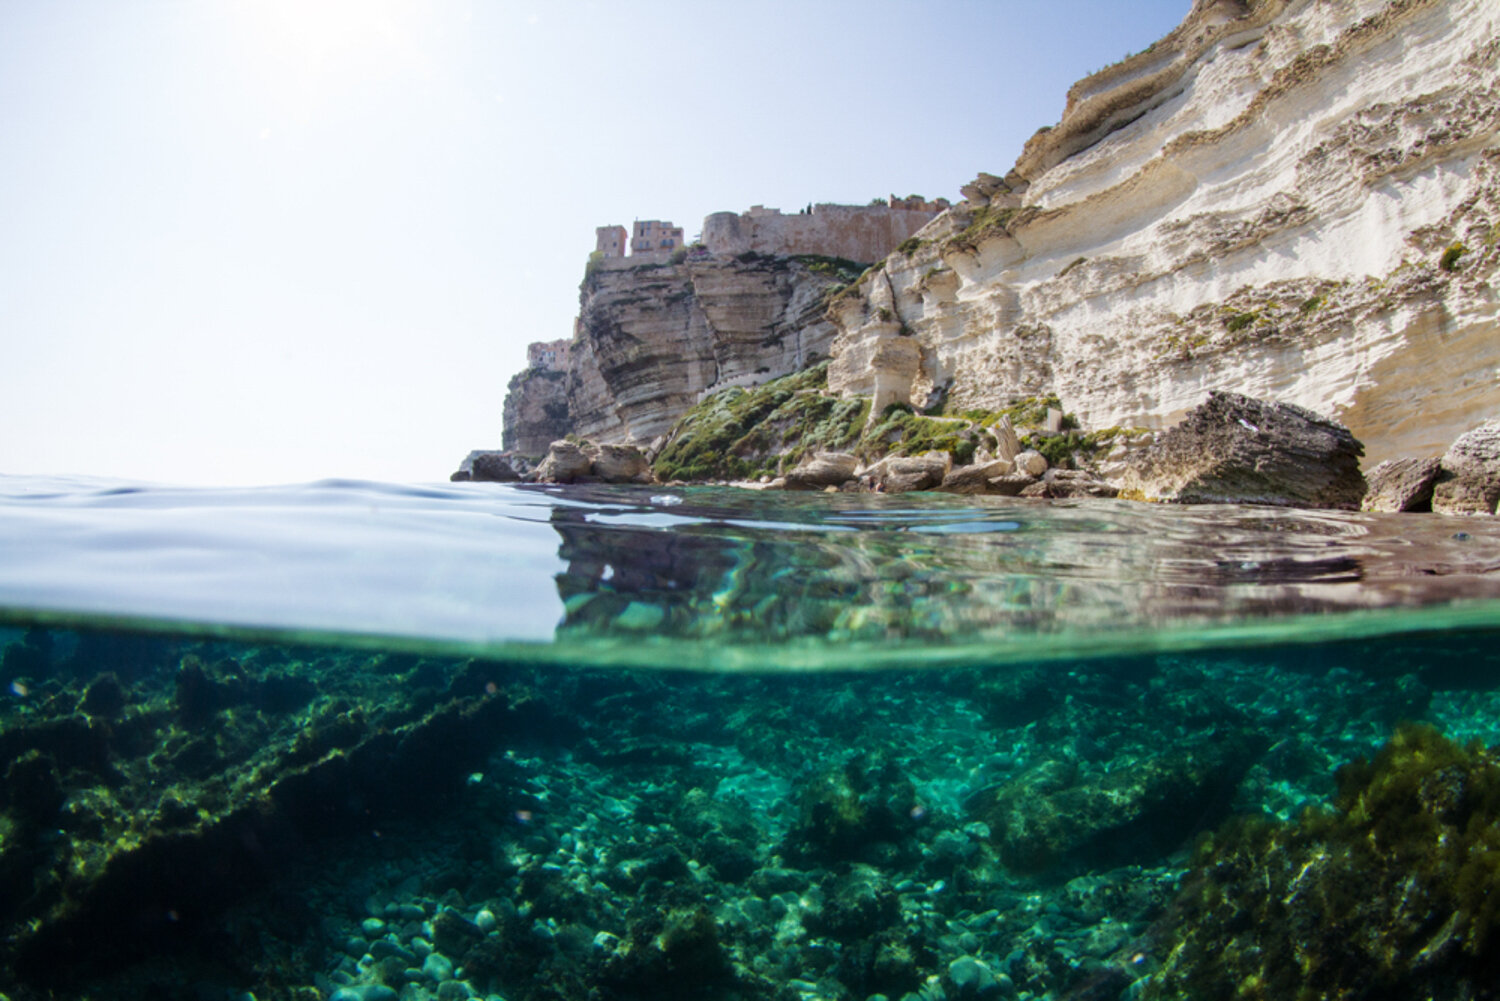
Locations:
(1403, 484)
(1237, 450)
(1469, 481)
(1135, 813)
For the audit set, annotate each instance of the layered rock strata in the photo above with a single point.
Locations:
(655, 335)
(536, 410)
(1235, 450)
(1287, 200)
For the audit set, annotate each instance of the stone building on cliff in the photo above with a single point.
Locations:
(863, 233)
(609, 241)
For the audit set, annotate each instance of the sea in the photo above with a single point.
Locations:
(358, 741)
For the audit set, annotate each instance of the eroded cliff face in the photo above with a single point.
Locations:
(536, 411)
(1297, 201)
(654, 336)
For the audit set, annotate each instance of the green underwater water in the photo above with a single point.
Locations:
(350, 741)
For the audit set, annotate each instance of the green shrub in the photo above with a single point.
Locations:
(1239, 321)
(1449, 260)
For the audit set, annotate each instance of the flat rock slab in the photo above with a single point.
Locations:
(1234, 449)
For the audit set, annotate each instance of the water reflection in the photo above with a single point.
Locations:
(749, 568)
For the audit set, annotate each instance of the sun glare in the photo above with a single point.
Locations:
(316, 49)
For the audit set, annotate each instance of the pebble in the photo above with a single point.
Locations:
(363, 992)
(437, 967)
(372, 927)
(973, 979)
(454, 990)
(486, 921)
(421, 948)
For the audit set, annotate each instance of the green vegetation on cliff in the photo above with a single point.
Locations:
(740, 433)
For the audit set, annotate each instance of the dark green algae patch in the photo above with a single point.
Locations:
(182, 818)
(1393, 892)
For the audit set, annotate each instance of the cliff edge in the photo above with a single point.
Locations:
(1292, 201)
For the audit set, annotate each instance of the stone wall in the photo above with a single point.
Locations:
(854, 232)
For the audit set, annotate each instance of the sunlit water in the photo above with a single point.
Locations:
(619, 743)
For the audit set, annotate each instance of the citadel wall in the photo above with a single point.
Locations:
(863, 233)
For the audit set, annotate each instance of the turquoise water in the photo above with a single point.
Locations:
(355, 740)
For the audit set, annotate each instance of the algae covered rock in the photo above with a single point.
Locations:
(863, 811)
(1395, 893)
(1237, 450)
(1057, 815)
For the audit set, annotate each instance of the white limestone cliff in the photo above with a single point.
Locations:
(1296, 200)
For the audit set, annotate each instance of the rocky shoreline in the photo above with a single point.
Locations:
(1231, 449)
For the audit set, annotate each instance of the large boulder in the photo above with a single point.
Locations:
(975, 479)
(1469, 482)
(904, 473)
(1402, 485)
(1135, 813)
(489, 465)
(565, 462)
(1237, 450)
(822, 470)
(1061, 483)
(621, 464)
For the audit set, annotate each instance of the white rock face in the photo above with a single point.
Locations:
(1296, 201)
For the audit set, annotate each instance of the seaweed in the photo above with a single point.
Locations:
(1394, 892)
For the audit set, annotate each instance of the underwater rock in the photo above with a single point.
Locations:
(1395, 893)
(1136, 812)
(822, 469)
(33, 788)
(104, 697)
(1401, 485)
(1470, 479)
(1233, 449)
(857, 904)
(152, 876)
(862, 811)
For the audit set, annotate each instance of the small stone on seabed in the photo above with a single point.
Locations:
(485, 921)
(438, 967)
(363, 992)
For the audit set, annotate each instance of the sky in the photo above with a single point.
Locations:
(278, 241)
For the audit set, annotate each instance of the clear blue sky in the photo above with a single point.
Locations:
(258, 242)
